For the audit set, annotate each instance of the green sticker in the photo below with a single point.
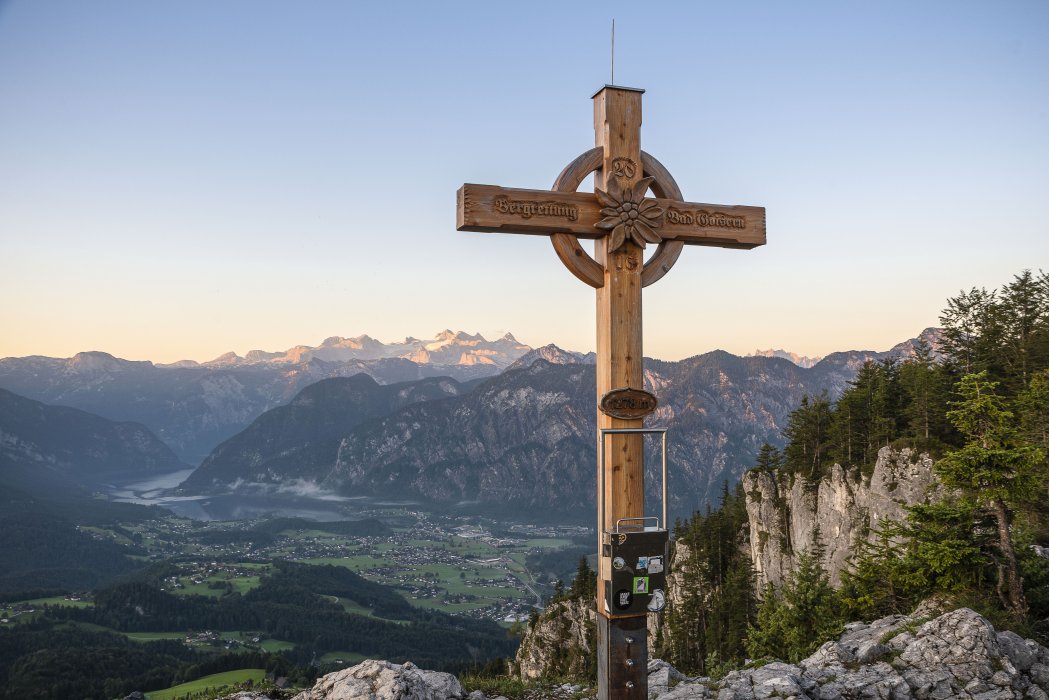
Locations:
(640, 585)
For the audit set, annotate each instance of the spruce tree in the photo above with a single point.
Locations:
(1032, 405)
(1024, 306)
(925, 407)
(808, 434)
(994, 471)
(792, 622)
(967, 324)
(769, 458)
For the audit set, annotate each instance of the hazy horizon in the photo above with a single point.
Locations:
(390, 341)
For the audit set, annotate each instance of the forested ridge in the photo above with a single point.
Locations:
(979, 404)
(295, 603)
(43, 552)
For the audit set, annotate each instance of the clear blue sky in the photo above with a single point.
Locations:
(180, 179)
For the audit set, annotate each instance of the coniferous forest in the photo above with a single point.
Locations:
(979, 406)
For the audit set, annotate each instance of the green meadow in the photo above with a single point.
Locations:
(217, 680)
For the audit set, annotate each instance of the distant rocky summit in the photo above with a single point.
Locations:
(925, 655)
(799, 360)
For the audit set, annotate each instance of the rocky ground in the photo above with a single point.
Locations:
(925, 655)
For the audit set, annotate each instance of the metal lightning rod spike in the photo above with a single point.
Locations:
(613, 80)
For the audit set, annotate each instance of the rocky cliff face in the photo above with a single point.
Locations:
(785, 511)
(561, 643)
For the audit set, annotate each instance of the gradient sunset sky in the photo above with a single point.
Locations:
(181, 179)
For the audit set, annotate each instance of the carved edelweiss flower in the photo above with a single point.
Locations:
(635, 218)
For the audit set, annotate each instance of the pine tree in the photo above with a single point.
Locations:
(792, 622)
(769, 458)
(809, 438)
(1024, 306)
(922, 381)
(584, 585)
(967, 329)
(1032, 405)
(994, 471)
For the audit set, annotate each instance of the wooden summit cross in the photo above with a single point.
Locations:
(622, 221)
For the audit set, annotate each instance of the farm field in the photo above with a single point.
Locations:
(217, 680)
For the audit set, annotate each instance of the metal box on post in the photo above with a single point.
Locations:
(638, 569)
(634, 557)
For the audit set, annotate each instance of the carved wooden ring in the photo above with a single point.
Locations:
(566, 245)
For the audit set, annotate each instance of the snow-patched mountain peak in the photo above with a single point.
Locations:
(361, 341)
(799, 360)
(446, 348)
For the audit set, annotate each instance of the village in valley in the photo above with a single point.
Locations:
(464, 566)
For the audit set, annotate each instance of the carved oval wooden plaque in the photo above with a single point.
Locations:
(628, 404)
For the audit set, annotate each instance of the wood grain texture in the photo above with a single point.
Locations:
(577, 260)
(617, 130)
(494, 209)
(664, 186)
(566, 245)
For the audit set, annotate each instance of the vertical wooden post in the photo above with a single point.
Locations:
(621, 640)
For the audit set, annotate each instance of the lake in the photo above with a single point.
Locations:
(321, 506)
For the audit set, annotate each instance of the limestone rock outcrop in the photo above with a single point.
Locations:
(785, 510)
(560, 643)
(954, 655)
(382, 680)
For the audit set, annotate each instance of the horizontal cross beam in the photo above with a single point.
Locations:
(489, 208)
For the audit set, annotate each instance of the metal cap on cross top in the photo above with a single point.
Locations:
(622, 220)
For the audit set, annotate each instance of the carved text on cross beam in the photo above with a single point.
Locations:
(705, 219)
(526, 209)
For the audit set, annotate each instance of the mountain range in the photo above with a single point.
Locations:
(522, 438)
(447, 348)
(194, 406)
